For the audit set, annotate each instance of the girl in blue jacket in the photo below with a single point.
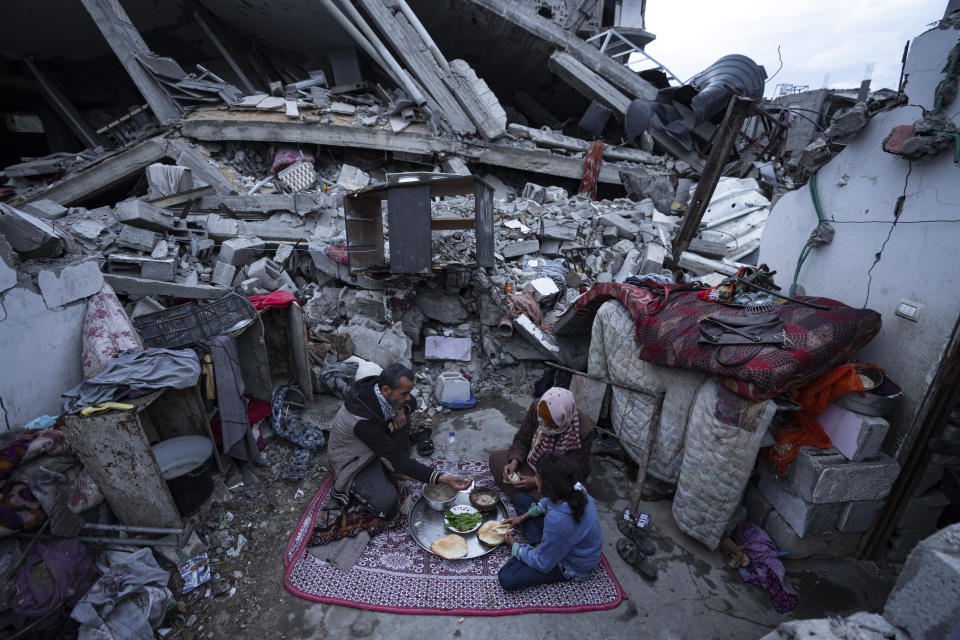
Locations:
(563, 530)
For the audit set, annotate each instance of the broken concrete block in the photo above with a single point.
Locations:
(266, 271)
(46, 209)
(146, 306)
(161, 250)
(624, 227)
(8, 274)
(445, 308)
(443, 348)
(815, 155)
(75, 282)
(28, 235)
(856, 436)
(859, 516)
(137, 239)
(167, 180)
(834, 544)
(480, 102)
(804, 517)
(823, 476)
(652, 257)
(758, 507)
(542, 288)
(381, 347)
(134, 286)
(223, 274)
(560, 230)
(284, 251)
(555, 194)
(926, 598)
(533, 192)
(240, 251)
(351, 178)
(143, 215)
(163, 270)
(630, 266)
(550, 248)
(537, 337)
(860, 625)
(520, 249)
(342, 108)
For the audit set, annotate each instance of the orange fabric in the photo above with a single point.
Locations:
(806, 431)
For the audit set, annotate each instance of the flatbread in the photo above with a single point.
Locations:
(450, 547)
(513, 478)
(492, 532)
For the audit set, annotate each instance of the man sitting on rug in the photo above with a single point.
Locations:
(369, 440)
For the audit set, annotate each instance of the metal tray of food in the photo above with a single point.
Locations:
(426, 525)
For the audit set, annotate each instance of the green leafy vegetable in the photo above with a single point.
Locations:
(462, 521)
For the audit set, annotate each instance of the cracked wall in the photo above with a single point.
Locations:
(897, 237)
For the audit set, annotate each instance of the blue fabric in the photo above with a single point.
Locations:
(516, 575)
(573, 547)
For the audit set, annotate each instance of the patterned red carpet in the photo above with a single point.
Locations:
(397, 576)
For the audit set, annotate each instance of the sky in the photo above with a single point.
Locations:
(816, 37)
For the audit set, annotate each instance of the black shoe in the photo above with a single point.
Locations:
(423, 439)
(636, 559)
(638, 536)
(654, 490)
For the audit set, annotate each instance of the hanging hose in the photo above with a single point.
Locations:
(951, 75)
(820, 236)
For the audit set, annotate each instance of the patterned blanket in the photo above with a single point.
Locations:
(668, 333)
(396, 576)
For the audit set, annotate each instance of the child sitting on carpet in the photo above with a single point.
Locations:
(564, 523)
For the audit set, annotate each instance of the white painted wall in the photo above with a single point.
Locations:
(39, 356)
(876, 260)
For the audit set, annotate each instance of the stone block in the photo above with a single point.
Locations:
(631, 262)
(823, 476)
(8, 274)
(533, 334)
(550, 247)
(922, 512)
(75, 282)
(223, 274)
(445, 308)
(146, 306)
(240, 251)
(542, 288)
(163, 270)
(520, 249)
(370, 304)
(856, 436)
(804, 517)
(926, 598)
(652, 257)
(143, 215)
(137, 239)
(268, 272)
(381, 347)
(860, 625)
(28, 235)
(533, 192)
(560, 230)
(835, 544)
(860, 516)
(443, 348)
(351, 178)
(46, 209)
(555, 194)
(625, 228)
(284, 251)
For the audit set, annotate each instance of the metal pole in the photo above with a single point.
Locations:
(723, 144)
(422, 32)
(374, 47)
(610, 382)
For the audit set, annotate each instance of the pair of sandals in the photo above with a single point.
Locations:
(635, 548)
(422, 439)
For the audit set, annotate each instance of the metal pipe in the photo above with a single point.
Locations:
(96, 526)
(374, 47)
(652, 394)
(422, 32)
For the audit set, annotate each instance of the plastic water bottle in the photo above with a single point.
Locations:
(452, 457)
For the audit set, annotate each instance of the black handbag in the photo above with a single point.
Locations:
(757, 331)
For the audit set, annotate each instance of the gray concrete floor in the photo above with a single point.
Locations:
(695, 596)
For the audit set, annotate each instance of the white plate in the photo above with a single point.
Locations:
(464, 508)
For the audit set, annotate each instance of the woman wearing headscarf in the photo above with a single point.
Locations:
(552, 423)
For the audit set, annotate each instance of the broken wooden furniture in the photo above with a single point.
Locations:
(115, 447)
(410, 223)
(273, 351)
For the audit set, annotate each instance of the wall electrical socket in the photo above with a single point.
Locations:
(909, 310)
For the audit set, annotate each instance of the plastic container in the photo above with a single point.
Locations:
(228, 313)
(453, 457)
(171, 328)
(452, 387)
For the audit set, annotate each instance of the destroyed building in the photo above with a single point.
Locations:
(217, 217)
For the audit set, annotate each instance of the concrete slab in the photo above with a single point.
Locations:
(72, 283)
